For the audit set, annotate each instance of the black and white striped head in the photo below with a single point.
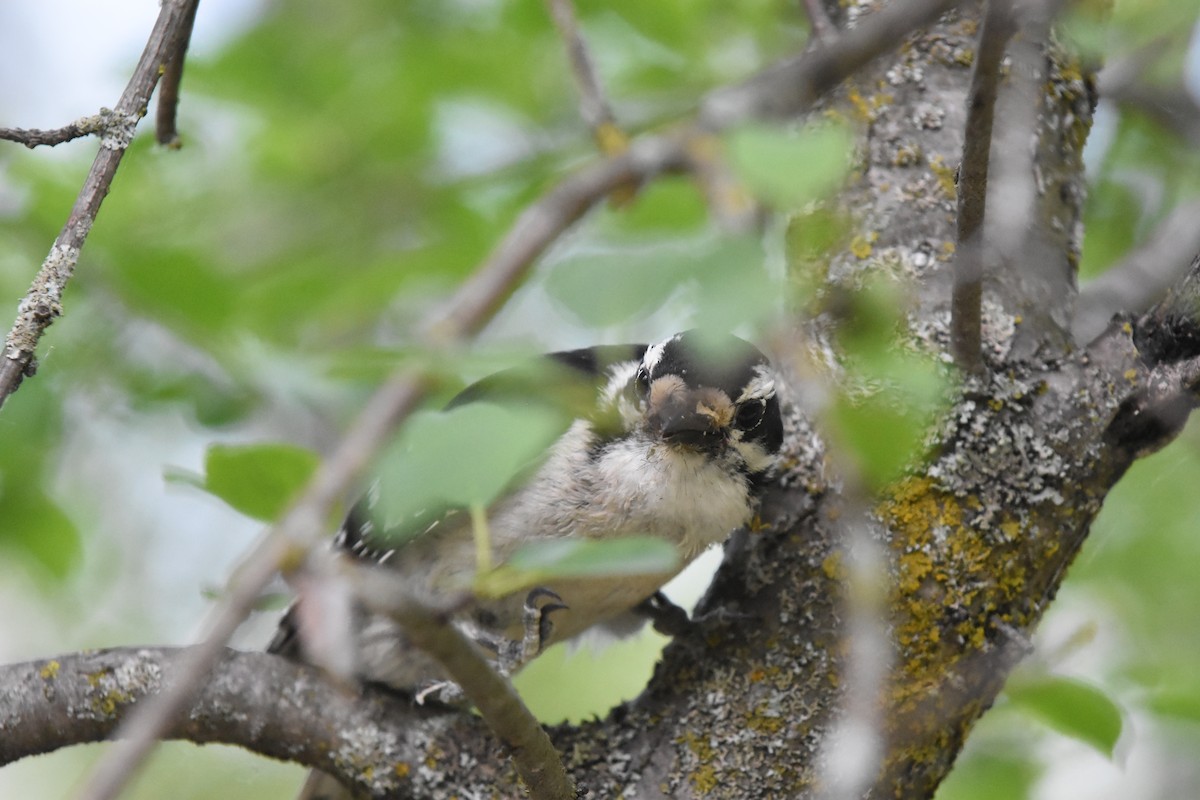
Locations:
(699, 393)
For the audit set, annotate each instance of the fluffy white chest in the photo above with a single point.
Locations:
(634, 486)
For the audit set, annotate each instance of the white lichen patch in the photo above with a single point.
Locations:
(1000, 457)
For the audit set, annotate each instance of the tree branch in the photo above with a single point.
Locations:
(43, 303)
(966, 305)
(1143, 275)
(593, 105)
(165, 129)
(789, 88)
(498, 703)
(85, 126)
(297, 713)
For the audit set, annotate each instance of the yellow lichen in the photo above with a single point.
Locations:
(945, 176)
(50, 671)
(705, 779)
(914, 567)
(832, 566)
(859, 104)
(860, 246)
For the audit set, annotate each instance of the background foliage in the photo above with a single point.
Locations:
(344, 166)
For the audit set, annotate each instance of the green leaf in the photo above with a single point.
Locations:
(258, 480)
(462, 457)
(614, 287)
(590, 558)
(35, 524)
(989, 776)
(789, 169)
(540, 562)
(1071, 707)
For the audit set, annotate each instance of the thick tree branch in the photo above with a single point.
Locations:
(298, 714)
(43, 303)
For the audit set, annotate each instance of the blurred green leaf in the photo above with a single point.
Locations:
(36, 525)
(890, 395)
(258, 480)
(543, 562)
(988, 776)
(34, 522)
(1071, 707)
(462, 457)
(789, 169)
(1181, 701)
(616, 287)
(585, 558)
(722, 281)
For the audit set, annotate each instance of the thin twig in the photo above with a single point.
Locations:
(791, 86)
(1143, 275)
(966, 317)
(593, 104)
(818, 19)
(34, 137)
(165, 130)
(43, 303)
(498, 703)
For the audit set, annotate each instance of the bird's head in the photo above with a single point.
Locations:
(709, 395)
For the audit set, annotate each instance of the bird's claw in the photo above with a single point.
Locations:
(540, 603)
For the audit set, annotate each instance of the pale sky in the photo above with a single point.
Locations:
(63, 59)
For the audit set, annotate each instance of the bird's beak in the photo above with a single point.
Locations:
(688, 419)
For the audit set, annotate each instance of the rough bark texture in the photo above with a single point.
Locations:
(979, 538)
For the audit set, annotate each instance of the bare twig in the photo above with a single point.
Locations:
(165, 130)
(85, 126)
(43, 303)
(593, 105)
(1124, 81)
(498, 703)
(1144, 274)
(966, 317)
(818, 18)
(791, 86)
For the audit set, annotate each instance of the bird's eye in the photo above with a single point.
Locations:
(641, 381)
(750, 414)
